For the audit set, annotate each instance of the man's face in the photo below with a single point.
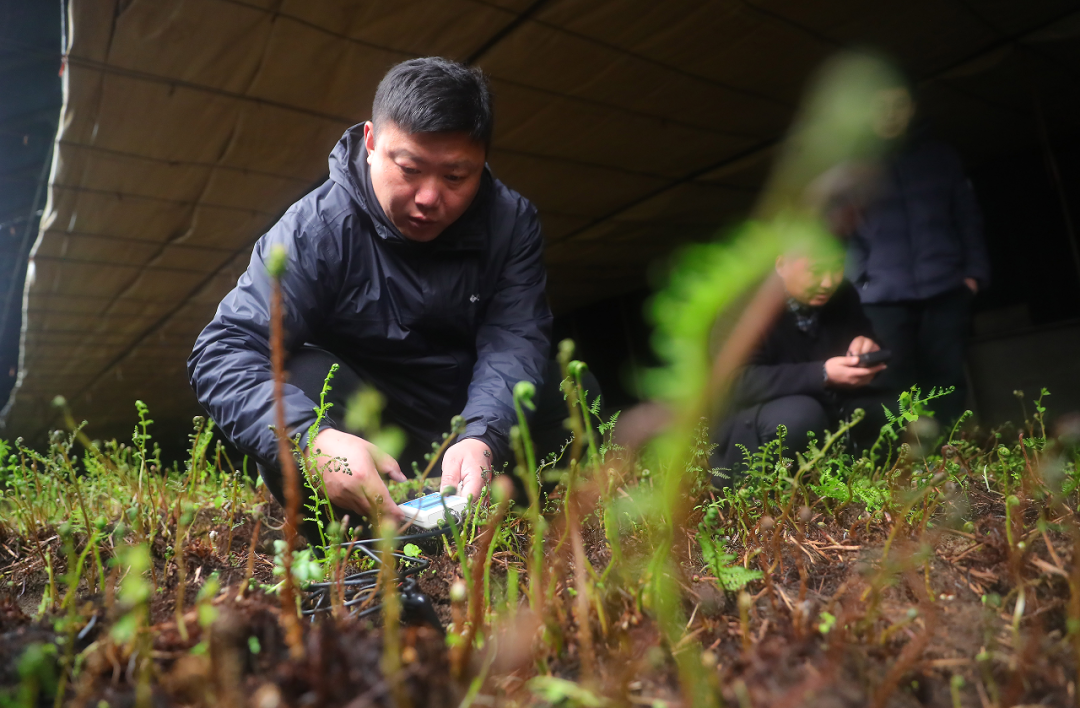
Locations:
(423, 181)
(811, 281)
(893, 110)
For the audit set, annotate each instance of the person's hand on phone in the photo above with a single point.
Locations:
(845, 371)
(351, 469)
(862, 345)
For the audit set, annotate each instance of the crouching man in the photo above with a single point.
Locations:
(419, 274)
(805, 374)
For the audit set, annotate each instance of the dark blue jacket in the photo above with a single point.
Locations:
(923, 234)
(791, 362)
(440, 328)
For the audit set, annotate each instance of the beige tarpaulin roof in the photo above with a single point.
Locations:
(189, 125)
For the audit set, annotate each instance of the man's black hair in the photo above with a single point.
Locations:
(435, 95)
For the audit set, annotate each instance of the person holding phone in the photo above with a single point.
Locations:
(810, 371)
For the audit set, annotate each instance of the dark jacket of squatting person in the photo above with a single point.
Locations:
(412, 266)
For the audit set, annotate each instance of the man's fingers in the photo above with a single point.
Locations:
(391, 469)
(451, 468)
(466, 478)
(471, 485)
(451, 479)
(865, 378)
(365, 494)
(370, 489)
(863, 345)
(376, 491)
(389, 466)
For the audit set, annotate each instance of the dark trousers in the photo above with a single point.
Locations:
(928, 340)
(307, 371)
(755, 426)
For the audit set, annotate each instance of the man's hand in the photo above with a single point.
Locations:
(973, 285)
(862, 345)
(845, 372)
(467, 466)
(364, 487)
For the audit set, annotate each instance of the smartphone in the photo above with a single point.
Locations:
(427, 511)
(874, 358)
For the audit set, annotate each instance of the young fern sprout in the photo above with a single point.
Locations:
(293, 634)
(132, 629)
(457, 427)
(391, 614)
(455, 531)
(524, 392)
(526, 471)
(319, 505)
(576, 369)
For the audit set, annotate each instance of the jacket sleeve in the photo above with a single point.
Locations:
(513, 342)
(759, 383)
(230, 368)
(766, 376)
(969, 224)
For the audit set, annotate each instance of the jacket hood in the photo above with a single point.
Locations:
(350, 170)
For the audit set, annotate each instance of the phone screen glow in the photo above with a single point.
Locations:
(430, 501)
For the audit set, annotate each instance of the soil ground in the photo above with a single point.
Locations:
(948, 610)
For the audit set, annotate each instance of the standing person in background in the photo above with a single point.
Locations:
(917, 258)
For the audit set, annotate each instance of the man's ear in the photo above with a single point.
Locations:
(780, 263)
(369, 138)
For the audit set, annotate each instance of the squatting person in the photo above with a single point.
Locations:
(419, 274)
(805, 374)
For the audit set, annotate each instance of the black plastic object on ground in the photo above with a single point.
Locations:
(361, 590)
